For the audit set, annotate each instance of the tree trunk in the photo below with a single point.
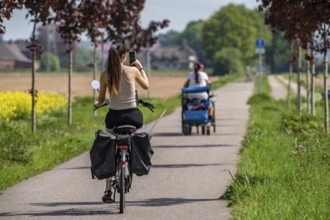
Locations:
(33, 90)
(290, 74)
(325, 92)
(299, 81)
(313, 85)
(69, 85)
(307, 80)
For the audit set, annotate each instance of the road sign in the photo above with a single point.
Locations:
(260, 50)
(260, 43)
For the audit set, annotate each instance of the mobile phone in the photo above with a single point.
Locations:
(132, 57)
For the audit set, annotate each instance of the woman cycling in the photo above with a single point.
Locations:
(119, 80)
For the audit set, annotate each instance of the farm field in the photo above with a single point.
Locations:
(161, 86)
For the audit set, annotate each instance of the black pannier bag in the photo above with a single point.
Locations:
(103, 156)
(141, 153)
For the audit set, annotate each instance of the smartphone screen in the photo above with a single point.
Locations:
(132, 57)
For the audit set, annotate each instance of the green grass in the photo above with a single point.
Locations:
(284, 168)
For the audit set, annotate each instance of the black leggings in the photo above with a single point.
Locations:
(124, 117)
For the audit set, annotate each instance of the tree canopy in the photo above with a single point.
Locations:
(234, 26)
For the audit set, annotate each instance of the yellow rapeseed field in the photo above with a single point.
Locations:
(17, 104)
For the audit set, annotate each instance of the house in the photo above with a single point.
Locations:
(169, 57)
(11, 56)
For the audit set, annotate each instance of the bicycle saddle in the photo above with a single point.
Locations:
(124, 129)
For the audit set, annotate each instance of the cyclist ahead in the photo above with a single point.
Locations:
(198, 78)
(119, 80)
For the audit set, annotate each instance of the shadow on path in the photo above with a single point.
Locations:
(63, 212)
(185, 165)
(168, 201)
(110, 211)
(192, 146)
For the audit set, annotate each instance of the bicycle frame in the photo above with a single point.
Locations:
(123, 178)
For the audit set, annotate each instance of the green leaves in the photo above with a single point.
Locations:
(233, 26)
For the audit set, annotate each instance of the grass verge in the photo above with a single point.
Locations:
(284, 168)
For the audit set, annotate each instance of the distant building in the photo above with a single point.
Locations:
(11, 57)
(169, 57)
(22, 46)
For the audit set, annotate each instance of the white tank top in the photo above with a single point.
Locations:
(125, 99)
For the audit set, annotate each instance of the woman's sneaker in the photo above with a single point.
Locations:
(107, 197)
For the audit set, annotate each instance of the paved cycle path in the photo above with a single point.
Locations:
(188, 176)
(278, 89)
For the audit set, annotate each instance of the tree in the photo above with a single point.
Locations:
(49, 62)
(68, 17)
(192, 36)
(171, 38)
(6, 10)
(39, 10)
(52, 42)
(323, 20)
(300, 19)
(289, 18)
(278, 53)
(233, 26)
(98, 16)
(228, 61)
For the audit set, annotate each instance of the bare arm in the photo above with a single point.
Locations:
(140, 75)
(103, 90)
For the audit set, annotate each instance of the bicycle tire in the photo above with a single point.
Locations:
(122, 189)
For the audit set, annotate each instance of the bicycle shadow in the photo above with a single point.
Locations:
(185, 165)
(63, 212)
(168, 201)
(193, 146)
(96, 210)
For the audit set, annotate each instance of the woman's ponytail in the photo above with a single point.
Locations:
(114, 67)
(196, 70)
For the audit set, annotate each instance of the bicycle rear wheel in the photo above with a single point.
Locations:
(122, 189)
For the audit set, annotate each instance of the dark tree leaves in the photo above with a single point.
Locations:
(6, 10)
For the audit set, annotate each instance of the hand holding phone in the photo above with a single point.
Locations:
(132, 57)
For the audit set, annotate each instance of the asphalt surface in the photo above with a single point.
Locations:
(188, 175)
(277, 88)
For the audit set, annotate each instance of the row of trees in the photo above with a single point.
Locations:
(226, 40)
(306, 25)
(101, 20)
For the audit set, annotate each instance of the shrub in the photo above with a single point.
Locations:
(295, 123)
(228, 60)
(49, 62)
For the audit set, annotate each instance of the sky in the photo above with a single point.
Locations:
(179, 12)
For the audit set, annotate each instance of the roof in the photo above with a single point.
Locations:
(10, 51)
(179, 54)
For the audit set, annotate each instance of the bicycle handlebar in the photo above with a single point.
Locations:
(148, 105)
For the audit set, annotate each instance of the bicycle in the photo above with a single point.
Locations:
(123, 178)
